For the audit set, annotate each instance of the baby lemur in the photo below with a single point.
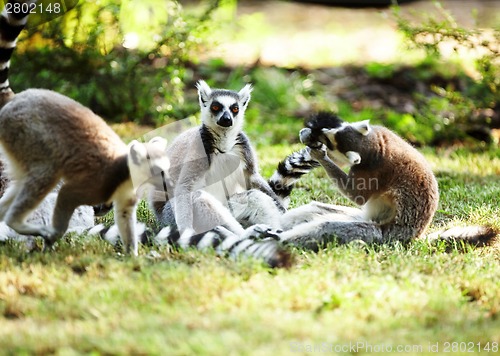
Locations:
(48, 138)
(388, 178)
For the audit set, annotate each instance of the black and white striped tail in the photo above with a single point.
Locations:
(257, 242)
(112, 235)
(475, 235)
(289, 171)
(11, 24)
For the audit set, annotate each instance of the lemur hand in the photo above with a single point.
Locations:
(319, 154)
(306, 138)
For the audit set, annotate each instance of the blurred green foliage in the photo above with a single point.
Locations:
(137, 61)
(127, 60)
(464, 102)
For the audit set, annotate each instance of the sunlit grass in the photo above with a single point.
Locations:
(84, 298)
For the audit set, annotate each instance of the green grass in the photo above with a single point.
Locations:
(84, 298)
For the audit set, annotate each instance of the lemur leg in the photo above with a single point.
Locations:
(317, 234)
(255, 207)
(207, 212)
(246, 209)
(29, 194)
(10, 193)
(13, 177)
(315, 210)
(210, 212)
(68, 199)
(126, 219)
(257, 182)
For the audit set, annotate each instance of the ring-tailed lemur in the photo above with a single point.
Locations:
(391, 181)
(48, 138)
(214, 184)
(214, 177)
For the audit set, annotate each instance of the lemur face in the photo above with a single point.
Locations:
(343, 143)
(222, 108)
(147, 161)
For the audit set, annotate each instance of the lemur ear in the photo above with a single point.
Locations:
(204, 92)
(159, 142)
(244, 94)
(136, 152)
(363, 127)
(158, 160)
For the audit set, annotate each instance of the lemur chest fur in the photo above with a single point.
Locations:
(226, 173)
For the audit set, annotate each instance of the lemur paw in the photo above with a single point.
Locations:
(102, 209)
(262, 231)
(319, 153)
(49, 241)
(306, 138)
(48, 233)
(50, 237)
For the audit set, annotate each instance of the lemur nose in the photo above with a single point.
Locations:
(225, 120)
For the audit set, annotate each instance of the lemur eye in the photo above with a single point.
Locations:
(235, 109)
(215, 107)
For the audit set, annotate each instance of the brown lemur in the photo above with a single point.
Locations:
(48, 138)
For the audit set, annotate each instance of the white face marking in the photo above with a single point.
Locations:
(225, 100)
(222, 109)
(353, 157)
(350, 157)
(363, 127)
(330, 135)
(225, 104)
(338, 157)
